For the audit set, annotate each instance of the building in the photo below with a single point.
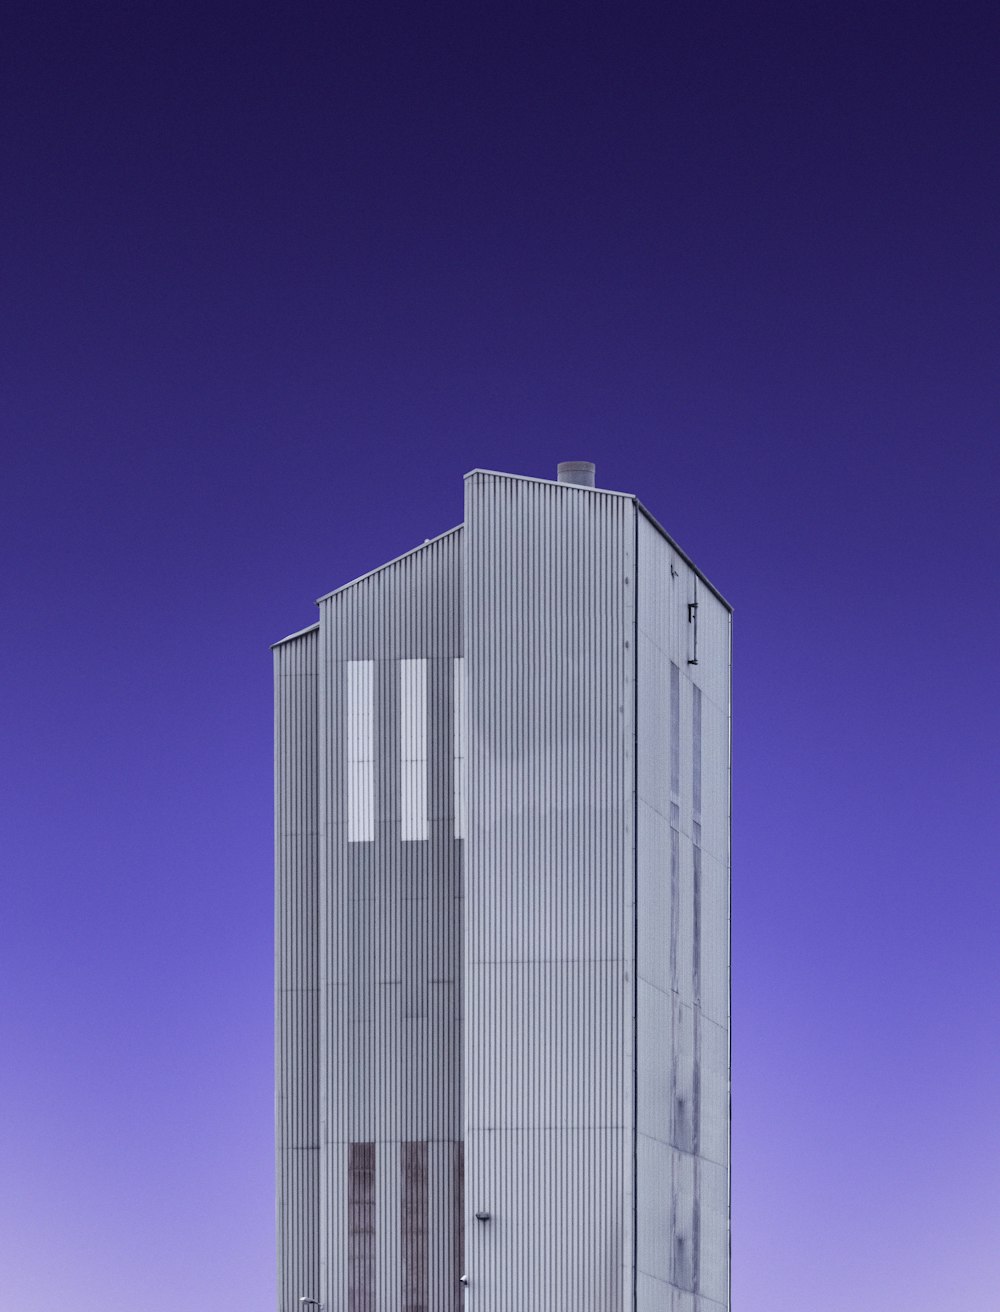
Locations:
(502, 920)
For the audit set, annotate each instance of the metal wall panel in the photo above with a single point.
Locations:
(296, 969)
(682, 1141)
(390, 940)
(549, 578)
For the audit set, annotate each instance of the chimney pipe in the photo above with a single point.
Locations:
(580, 472)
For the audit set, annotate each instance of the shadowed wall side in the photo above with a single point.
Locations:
(682, 946)
(296, 1010)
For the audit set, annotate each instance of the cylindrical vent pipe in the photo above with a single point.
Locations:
(580, 472)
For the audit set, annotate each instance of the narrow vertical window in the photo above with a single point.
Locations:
(360, 752)
(696, 914)
(459, 746)
(458, 1226)
(696, 1228)
(675, 731)
(675, 894)
(361, 1227)
(414, 1212)
(696, 833)
(696, 750)
(413, 749)
(696, 928)
(675, 824)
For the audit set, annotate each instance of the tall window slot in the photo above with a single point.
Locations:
(675, 732)
(360, 752)
(361, 1227)
(459, 746)
(414, 1215)
(696, 833)
(413, 749)
(675, 824)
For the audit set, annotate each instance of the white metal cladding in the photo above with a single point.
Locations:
(390, 952)
(682, 1141)
(296, 970)
(550, 626)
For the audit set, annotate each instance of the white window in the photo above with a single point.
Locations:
(413, 749)
(360, 751)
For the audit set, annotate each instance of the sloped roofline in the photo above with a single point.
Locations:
(610, 492)
(395, 561)
(524, 478)
(310, 628)
(682, 553)
(549, 482)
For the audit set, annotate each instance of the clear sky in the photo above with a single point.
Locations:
(273, 279)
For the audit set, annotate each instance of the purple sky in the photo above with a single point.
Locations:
(273, 279)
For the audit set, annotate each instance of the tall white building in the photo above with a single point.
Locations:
(502, 920)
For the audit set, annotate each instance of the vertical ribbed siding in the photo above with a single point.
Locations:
(296, 970)
(683, 891)
(390, 919)
(549, 584)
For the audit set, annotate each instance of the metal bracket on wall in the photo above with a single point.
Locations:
(693, 621)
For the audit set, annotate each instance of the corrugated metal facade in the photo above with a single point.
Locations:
(390, 941)
(296, 980)
(549, 584)
(524, 689)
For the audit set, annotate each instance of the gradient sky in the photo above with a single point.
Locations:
(273, 279)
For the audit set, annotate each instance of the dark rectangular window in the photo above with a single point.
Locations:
(361, 1227)
(415, 1205)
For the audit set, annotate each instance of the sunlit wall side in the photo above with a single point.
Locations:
(550, 625)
